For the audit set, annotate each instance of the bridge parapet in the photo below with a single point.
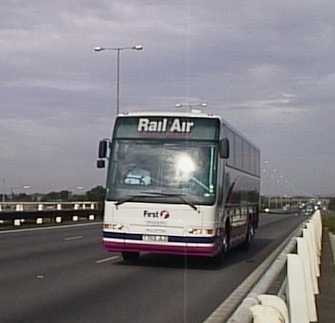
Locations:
(18, 213)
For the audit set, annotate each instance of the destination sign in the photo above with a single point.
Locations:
(175, 125)
(167, 127)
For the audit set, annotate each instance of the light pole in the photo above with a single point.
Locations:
(4, 189)
(118, 50)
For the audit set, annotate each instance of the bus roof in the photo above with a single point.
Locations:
(170, 114)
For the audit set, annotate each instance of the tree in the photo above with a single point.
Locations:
(62, 196)
(96, 194)
(331, 204)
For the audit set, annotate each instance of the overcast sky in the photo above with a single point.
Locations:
(267, 66)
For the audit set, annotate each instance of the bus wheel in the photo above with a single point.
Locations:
(250, 235)
(130, 256)
(224, 243)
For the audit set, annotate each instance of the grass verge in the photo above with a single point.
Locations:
(329, 221)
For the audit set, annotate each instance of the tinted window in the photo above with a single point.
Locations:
(238, 150)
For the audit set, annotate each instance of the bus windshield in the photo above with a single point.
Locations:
(169, 169)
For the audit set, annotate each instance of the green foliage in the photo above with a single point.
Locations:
(331, 204)
(62, 196)
(22, 197)
(329, 221)
(96, 194)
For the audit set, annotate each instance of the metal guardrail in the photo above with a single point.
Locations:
(39, 206)
(17, 213)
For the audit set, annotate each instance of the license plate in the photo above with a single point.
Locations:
(154, 238)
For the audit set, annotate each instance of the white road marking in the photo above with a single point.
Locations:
(51, 228)
(108, 259)
(73, 238)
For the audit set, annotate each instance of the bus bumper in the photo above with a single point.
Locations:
(177, 248)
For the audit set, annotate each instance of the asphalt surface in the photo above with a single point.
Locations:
(65, 275)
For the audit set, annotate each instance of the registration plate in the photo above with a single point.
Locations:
(152, 237)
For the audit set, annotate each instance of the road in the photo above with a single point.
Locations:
(65, 275)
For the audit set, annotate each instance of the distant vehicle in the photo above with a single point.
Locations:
(308, 210)
(179, 183)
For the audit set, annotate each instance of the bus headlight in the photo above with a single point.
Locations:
(201, 231)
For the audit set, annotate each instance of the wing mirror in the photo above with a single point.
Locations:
(100, 163)
(102, 153)
(102, 148)
(224, 148)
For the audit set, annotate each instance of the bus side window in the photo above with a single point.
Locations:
(238, 150)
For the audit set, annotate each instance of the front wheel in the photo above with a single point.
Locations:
(250, 235)
(130, 256)
(223, 249)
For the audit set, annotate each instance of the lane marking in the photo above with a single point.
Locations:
(108, 259)
(73, 238)
(51, 228)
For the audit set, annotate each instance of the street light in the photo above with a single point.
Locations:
(118, 50)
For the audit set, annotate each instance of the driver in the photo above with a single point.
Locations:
(137, 173)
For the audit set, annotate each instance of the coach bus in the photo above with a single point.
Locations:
(178, 183)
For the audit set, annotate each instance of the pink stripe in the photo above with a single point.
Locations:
(177, 250)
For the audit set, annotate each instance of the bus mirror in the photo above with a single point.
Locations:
(100, 163)
(102, 149)
(224, 148)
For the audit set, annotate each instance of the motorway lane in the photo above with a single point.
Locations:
(53, 275)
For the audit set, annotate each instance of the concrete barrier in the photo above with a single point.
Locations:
(312, 252)
(317, 252)
(275, 302)
(17, 222)
(296, 290)
(332, 244)
(316, 219)
(300, 284)
(19, 207)
(310, 280)
(266, 314)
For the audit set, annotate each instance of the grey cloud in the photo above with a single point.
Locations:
(267, 66)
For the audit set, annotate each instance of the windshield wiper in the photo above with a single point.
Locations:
(131, 197)
(180, 196)
(155, 195)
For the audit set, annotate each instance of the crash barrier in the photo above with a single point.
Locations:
(295, 301)
(332, 242)
(17, 214)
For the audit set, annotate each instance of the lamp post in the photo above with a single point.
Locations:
(4, 190)
(118, 50)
